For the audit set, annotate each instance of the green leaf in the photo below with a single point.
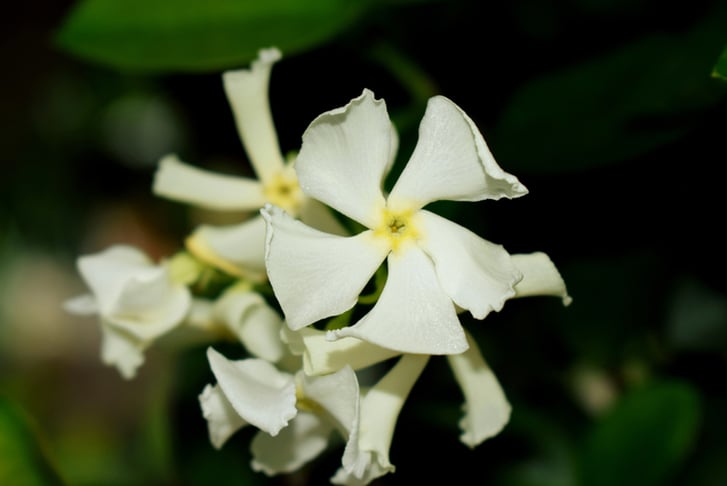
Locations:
(189, 35)
(22, 459)
(644, 438)
(720, 69)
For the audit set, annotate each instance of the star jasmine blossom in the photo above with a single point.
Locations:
(434, 266)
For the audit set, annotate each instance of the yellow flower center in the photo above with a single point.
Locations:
(306, 404)
(284, 191)
(397, 228)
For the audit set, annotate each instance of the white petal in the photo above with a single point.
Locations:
(185, 183)
(107, 271)
(300, 442)
(413, 314)
(236, 249)
(84, 305)
(315, 274)
(121, 350)
(222, 419)
(321, 356)
(317, 215)
(337, 393)
(451, 161)
(486, 408)
(366, 456)
(344, 156)
(478, 275)
(540, 277)
(259, 393)
(257, 326)
(247, 92)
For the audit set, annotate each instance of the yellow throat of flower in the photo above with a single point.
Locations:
(397, 227)
(284, 191)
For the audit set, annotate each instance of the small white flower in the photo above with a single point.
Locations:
(136, 300)
(238, 249)
(434, 265)
(296, 414)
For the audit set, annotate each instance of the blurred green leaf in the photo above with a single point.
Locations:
(698, 317)
(615, 106)
(644, 438)
(188, 35)
(22, 459)
(720, 69)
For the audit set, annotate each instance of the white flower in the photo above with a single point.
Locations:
(238, 249)
(136, 300)
(434, 265)
(296, 414)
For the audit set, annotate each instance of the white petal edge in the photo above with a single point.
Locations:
(344, 156)
(236, 249)
(478, 275)
(222, 419)
(83, 305)
(451, 161)
(182, 182)
(321, 356)
(121, 350)
(300, 442)
(319, 216)
(315, 274)
(337, 393)
(247, 93)
(413, 313)
(486, 410)
(366, 456)
(259, 393)
(540, 277)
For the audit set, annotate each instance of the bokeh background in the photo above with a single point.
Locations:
(606, 110)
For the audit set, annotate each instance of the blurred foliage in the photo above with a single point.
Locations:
(607, 110)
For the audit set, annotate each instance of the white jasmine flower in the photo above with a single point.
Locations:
(137, 302)
(434, 265)
(239, 249)
(296, 414)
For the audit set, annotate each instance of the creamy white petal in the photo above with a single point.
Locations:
(84, 305)
(366, 456)
(297, 444)
(321, 356)
(222, 419)
(317, 215)
(540, 277)
(315, 274)
(247, 92)
(185, 183)
(393, 149)
(344, 156)
(478, 275)
(106, 272)
(451, 161)
(236, 249)
(486, 410)
(259, 393)
(413, 314)
(121, 350)
(252, 320)
(337, 393)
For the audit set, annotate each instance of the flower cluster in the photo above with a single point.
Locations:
(307, 344)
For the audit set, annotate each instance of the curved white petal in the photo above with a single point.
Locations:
(451, 161)
(248, 315)
(478, 275)
(84, 305)
(106, 272)
(321, 356)
(297, 444)
(182, 182)
(540, 277)
(337, 393)
(259, 393)
(366, 456)
(413, 314)
(344, 156)
(486, 410)
(319, 216)
(315, 274)
(121, 350)
(236, 249)
(247, 92)
(222, 419)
